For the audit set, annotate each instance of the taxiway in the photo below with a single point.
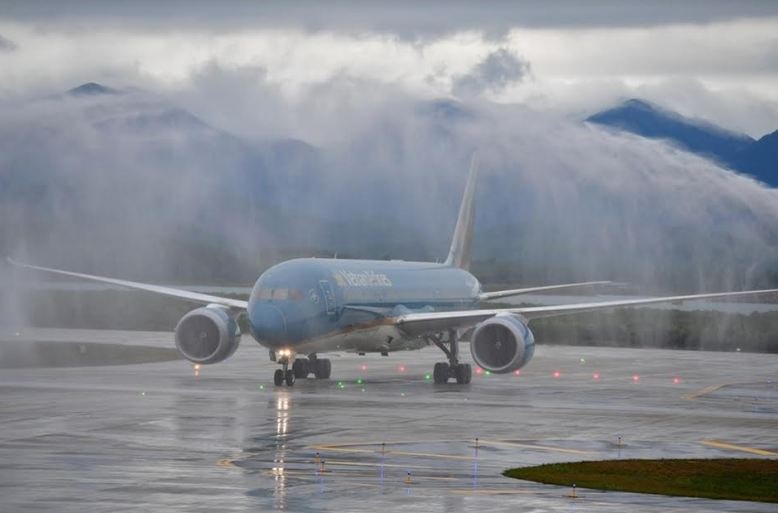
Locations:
(155, 435)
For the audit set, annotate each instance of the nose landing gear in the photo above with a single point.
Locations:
(300, 368)
(285, 374)
(282, 376)
(443, 371)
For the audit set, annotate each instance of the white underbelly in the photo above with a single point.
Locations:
(375, 339)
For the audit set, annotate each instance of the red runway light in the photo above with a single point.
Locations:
(479, 370)
(401, 368)
(676, 380)
(364, 367)
(635, 378)
(557, 374)
(517, 372)
(596, 376)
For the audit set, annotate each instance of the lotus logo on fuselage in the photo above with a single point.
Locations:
(361, 279)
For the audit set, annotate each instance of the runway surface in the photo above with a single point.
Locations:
(379, 436)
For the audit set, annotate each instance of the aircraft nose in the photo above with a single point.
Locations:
(268, 323)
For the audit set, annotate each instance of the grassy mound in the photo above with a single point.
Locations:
(733, 479)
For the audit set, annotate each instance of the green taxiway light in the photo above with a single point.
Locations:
(360, 381)
(427, 377)
(488, 373)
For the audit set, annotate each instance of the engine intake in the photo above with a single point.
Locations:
(207, 335)
(502, 343)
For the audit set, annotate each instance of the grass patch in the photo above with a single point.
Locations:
(732, 479)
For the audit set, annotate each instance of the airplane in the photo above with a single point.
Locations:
(308, 306)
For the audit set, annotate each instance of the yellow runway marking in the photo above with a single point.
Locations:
(341, 448)
(384, 443)
(226, 463)
(705, 391)
(388, 465)
(530, 446)
(353, 448)
(418, 478)
(733, 447)
(490, 491)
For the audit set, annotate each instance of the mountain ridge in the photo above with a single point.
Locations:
(736, 151)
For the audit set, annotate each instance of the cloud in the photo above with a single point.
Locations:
(498, 71)
(406, 18)
(6, 45)
(575, 68)
(559, 201)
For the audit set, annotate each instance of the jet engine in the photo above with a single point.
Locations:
(207, 335)
(502, 343)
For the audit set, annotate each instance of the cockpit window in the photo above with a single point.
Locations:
(280, 294)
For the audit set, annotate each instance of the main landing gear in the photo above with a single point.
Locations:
(321, 368)
(443, 371)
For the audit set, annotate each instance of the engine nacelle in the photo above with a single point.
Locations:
(207, 335)
(502, 343)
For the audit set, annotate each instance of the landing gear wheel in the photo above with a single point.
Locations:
(323, 368)
(440, 373)
(278, 377)
(464, 373)
(300, 368)
(289, 377)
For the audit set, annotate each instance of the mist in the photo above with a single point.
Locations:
(217, 180)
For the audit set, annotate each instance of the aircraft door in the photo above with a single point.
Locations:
(330, 302)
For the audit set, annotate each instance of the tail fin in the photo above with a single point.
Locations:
(459, 254)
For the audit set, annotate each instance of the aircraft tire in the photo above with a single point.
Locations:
(300, 368)
(440, 373)
(464, 373)
(289, 377)
(323, 368)
(278, 377)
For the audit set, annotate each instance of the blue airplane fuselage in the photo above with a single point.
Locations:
(309, 304)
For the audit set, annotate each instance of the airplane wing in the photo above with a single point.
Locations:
(515, 292)
(186, 295)
(415, 324)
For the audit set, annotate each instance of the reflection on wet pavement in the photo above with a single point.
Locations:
(157, 436)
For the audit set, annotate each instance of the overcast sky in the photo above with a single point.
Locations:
(716, 60)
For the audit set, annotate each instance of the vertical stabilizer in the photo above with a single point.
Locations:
(459, 254)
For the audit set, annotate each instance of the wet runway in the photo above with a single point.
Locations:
(379, 436)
